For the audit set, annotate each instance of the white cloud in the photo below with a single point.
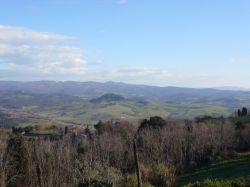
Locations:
(142, 73)
(27, 54)
(26, 49)
(139, 75)
(18, 35)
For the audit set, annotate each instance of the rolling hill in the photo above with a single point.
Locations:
(92, 90)
(88, 102)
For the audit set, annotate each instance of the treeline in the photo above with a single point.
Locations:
(104, 156)
(242, 112)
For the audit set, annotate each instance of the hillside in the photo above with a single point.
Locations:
(109, 97)
(90, 90)
(228, 169)
(88, 102)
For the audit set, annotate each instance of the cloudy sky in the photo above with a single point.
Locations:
(190, 43)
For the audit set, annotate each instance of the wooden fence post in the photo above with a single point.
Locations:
(138, 173)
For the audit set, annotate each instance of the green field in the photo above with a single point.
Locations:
(130, 110)
(244, 119)
(65, 109)
(228, 169)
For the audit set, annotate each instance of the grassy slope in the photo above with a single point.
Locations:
(191, 110)
(91, 113)
(86, 112)
(244, 120)
(229, 169)
(130, 110)
(57, 109)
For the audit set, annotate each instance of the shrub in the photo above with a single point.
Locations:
(158, 175)
(130, 180)
(163, 175)
(18, 170)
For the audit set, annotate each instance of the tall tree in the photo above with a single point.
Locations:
(244, 111)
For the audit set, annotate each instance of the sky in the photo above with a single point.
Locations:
(185, 43)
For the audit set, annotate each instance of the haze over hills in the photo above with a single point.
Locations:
(90, 90)
(232, 88)
(124, 93)
(80, 102)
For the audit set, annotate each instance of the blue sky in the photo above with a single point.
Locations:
(190, 43)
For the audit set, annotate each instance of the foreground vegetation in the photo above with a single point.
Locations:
(231, 170)
(103, 155)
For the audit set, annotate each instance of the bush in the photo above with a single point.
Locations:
(18, 170)
(158, 175)
(130, 180)
(163, 175)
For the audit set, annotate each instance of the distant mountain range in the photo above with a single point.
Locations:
(96, 89)
(74, 102)
(91, 90)
(232, 88)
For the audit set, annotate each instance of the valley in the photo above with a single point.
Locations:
(87, 103)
